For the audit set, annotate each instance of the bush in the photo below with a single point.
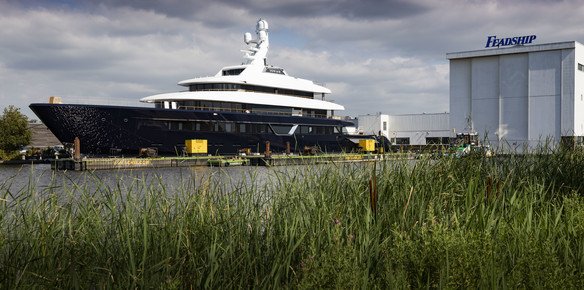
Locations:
(11, 155)
(15, 131)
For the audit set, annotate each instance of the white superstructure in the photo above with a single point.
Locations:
(253, 83)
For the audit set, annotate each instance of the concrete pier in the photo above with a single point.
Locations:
(128, 163)
(253, 160)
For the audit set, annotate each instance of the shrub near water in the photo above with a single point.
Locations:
(513, 222)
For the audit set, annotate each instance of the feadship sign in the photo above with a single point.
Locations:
(493, 41)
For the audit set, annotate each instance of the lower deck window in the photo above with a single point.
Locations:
(281, 129)
(320, 130)
(232, 127)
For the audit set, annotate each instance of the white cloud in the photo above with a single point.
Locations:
(119, 51)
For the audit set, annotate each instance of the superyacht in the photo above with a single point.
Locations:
(239, 109)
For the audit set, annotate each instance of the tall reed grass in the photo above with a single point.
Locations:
(514, 221)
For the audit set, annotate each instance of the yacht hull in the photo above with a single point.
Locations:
(128, 129)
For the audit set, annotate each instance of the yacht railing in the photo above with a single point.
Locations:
(261, 112)
(279, 94)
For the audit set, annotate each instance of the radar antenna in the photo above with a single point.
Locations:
(258, 47)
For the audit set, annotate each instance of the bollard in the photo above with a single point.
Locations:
(77, 149)
(267, 153)
(287, 147)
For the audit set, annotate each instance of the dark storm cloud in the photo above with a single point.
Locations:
(391, 52)
(366, 9)
(379, 9)
(362, 10)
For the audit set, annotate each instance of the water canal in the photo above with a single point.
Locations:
(15, 178)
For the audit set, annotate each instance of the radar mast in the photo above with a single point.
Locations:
(258, 47)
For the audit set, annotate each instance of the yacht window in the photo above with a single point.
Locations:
(258, 128)
(231, 87)
(205, 126)
(262, 128)
(232, 72)
(188, 126)
(281, 129)
(305, 129)
(228, 127)
(174, 125)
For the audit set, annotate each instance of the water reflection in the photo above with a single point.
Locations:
(15, 178)
(175, 180)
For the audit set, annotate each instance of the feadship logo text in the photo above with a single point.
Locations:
(493, 41)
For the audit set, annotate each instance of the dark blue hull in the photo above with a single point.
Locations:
(128, 129)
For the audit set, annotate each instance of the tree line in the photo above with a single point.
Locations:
(14, 133)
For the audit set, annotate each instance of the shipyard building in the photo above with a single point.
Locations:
(516, 95)
(519, 96)
(409, 129)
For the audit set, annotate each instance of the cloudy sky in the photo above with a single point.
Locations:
(376, 56)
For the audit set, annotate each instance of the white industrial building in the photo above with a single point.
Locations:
(377, 124)
(413, 129)
(519, 96)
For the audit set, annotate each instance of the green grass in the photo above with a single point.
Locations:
(505, 222)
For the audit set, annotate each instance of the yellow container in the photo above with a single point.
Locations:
(196, 146)
(367, 145)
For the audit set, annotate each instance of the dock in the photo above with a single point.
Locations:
(83, 164)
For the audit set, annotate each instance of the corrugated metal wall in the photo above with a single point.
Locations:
(516, 99)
